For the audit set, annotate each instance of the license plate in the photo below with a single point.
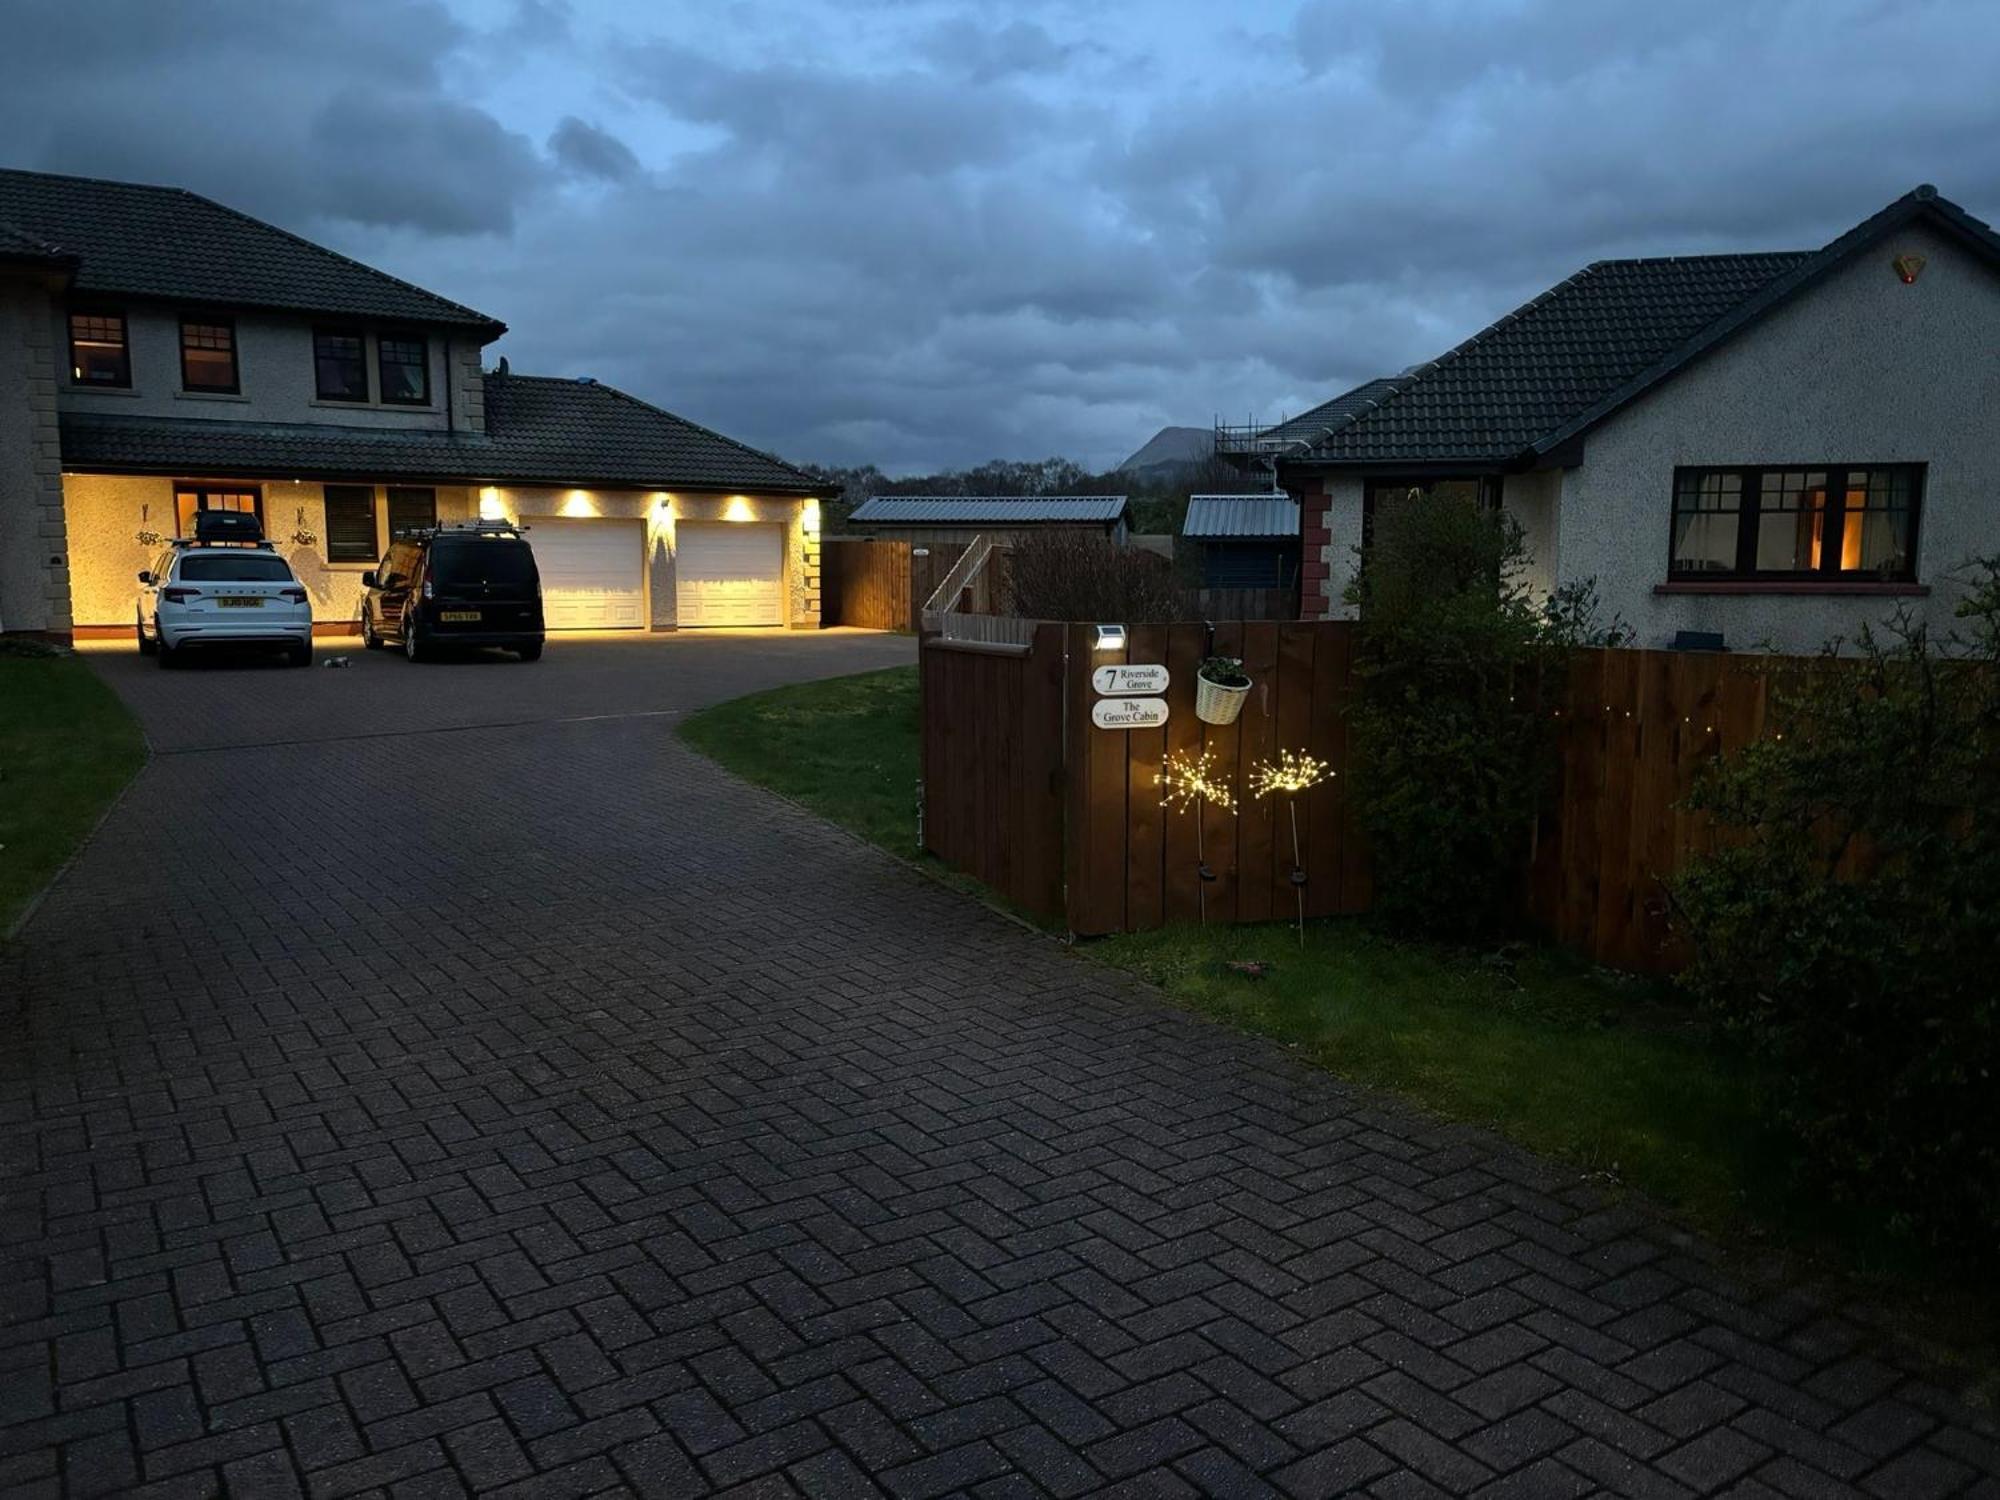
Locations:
(459, 616)
(228, 602)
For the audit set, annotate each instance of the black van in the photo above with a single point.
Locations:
(466, 583)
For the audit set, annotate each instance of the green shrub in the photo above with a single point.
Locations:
(1454, 730)
(1850, 929)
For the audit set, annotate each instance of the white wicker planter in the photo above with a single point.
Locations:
(1216, 704)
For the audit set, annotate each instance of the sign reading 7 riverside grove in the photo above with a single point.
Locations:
(1137, 678)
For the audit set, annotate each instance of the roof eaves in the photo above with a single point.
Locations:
(1921, 202)
(470, 315)
(1415, 377)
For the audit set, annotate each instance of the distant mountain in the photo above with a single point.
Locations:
(1170, 448)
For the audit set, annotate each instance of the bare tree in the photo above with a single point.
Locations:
(1078, 575)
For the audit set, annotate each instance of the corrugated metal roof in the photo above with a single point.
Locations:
(986, 510)
(1241, 516)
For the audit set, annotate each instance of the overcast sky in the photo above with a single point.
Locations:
(931, 232)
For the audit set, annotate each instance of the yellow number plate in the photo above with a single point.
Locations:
(459, 616)
(231, 602)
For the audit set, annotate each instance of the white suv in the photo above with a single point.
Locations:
(231, 595)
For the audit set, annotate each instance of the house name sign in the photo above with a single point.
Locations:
(1137, 678)
(1129, 713)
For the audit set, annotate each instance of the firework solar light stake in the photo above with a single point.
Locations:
(1187, 782)
(1292, 772)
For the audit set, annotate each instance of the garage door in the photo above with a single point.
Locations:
(730, 573)
(593, 572)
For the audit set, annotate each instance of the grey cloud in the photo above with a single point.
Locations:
(807, 120)
(918, 233)
(586, 151)
(408, 160)
(961, 45)
(306, 113)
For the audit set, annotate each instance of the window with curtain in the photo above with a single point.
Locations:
(340, 364)
(98, 353)
(404, 363)
(350, 523)
(1802, 523)
(189, 498)
(411, 509)
(208, 355)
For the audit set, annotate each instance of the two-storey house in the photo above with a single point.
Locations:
(161, 353)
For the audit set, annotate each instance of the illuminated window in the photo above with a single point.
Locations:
(189, 498)
(1796, 523)
(97, 351)
(208, 355)
(404, 362)
(340, 364)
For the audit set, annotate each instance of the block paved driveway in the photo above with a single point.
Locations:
(396, 1105)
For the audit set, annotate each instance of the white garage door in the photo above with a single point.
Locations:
(730, 573)
(593, 572)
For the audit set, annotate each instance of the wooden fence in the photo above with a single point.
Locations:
(993, 764)
(1247, 604)
(1069, 821)
(879, 585)
(1638, 728)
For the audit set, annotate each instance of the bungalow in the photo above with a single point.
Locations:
(1768, 448)
(162, 354)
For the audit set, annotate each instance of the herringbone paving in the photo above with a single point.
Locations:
(535, 1110)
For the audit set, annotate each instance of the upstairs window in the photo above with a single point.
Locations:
(208, 355)
(340, 364)
(404, 362)
(1833, 522)
(98, 354)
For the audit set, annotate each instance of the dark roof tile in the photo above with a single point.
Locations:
(136, 240)
(1559, 364)
(539, 431)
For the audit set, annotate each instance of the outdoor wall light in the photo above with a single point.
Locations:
(1110, 638)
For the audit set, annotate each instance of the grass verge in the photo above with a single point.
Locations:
(847, 748)
(67, 747)
(1614, 1076)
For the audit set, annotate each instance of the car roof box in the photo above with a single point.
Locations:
(227, 526)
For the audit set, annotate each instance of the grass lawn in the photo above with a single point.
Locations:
(67, 746)
(1613, 1075)
(847, 748)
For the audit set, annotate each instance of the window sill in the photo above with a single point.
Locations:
(1870, 587)
(102, 390)
(211, 396)
(389, 406)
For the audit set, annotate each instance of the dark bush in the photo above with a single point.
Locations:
(1850, 929)
(1454, 731)
(1079, 575)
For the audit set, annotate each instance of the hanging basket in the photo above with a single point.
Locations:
(1216, 704)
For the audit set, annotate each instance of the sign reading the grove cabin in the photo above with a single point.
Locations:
(1136, 678)
(1128, 713)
